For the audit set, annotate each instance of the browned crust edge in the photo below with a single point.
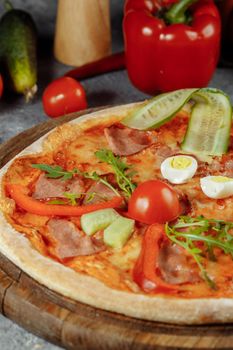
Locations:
(87, 289)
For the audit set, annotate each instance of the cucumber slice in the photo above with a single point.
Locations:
(158, 110)
(210, 123)
(117, 234)
(98, 220)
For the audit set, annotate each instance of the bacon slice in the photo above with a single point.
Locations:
(67, 241)
(126, 141)
(174, 265)
(228, 168)
(100, 192)
(185, 204)
(51, 188)
(46, 188)
(76, 186)
(164, 152)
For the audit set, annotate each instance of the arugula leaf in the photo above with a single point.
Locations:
(212, 233)
(94, 176)
(72, 197)
(194, 251)
(57, 201)
(121, 170)
(90, 196)
(55, 171)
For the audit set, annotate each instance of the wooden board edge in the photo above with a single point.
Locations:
(78, 325)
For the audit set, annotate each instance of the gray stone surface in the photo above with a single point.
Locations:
(16, 116)
(12, 337)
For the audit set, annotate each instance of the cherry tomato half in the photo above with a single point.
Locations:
(1, 86)
(152, 202)
(64, 95)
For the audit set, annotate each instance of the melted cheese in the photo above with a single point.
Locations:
(114, 267)
(81, 151)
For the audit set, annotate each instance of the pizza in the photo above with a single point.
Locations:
(124, 219)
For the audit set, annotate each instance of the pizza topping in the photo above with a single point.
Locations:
(165, 254)
(117, 229)
(209, 127)
(118, 232)
(175, 266)
(66, 241)
(154, 201)
(210, 123)
(229, 168)
(126, 141)
(19, 194)
(217, 187)
(164, 151)
(185, 204)
(98, 220)
(218, 166)
(55, 172)
(75, 186)
(123, 172)
(106, 187)
(49, 187)
(98, 192)
(158, 110)
(179, 169)
(200, 237)
(146, 272)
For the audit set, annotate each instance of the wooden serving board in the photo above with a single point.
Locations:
(73, 325)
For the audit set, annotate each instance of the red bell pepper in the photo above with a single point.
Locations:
(171, 47)
(146, 270)
(21, 198)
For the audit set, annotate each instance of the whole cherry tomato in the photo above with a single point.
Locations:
(1, 85)
(64, 95)
(152, 202)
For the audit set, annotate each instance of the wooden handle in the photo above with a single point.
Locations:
(82, 31)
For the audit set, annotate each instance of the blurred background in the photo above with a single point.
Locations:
(107, 89)
(16, 116)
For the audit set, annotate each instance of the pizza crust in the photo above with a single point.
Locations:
(88, 290)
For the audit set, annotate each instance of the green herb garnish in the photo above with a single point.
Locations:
(121, 170)
(94, 176)
(55, 171)
(72, 198)
(186, 232)
(57, 201)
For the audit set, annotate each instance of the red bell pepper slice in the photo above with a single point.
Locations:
(162, 56)
(19, 194)
(146, 270)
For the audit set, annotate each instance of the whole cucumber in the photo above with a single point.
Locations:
(18, 41)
